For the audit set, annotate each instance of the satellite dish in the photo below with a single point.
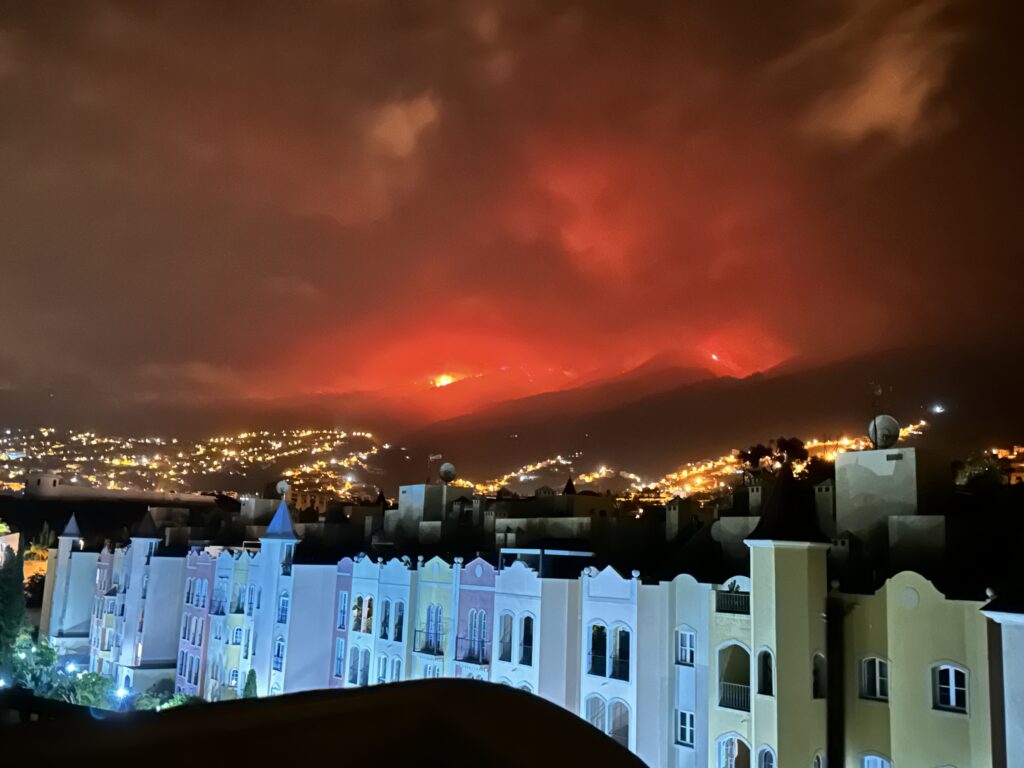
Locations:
(884, 431)
(447, 472)
(282, 488)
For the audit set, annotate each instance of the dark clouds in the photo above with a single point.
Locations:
(247, 199)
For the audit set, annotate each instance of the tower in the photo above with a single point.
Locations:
(788, 573)
(274, 585)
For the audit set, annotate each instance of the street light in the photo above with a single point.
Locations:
(121, 692)
(70, 667)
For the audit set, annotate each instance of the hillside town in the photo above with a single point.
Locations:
(816, 590)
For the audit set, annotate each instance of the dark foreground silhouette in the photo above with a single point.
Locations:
(419, 723)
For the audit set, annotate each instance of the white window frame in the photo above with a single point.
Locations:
(686, 726)
(880, 668)
(937, 685)
(686, 647)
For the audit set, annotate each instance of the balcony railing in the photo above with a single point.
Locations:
(734, 696)
(472, 650)
(732, 602)
(598, 664)
(429, 642)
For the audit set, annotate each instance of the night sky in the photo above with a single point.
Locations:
(237, 200)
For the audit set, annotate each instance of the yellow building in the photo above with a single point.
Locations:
(915, 678)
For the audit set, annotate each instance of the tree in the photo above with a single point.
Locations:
(94, 690)
(753, 455)
(249, 689)
(157, 697)
(12, 604)
(791, 448)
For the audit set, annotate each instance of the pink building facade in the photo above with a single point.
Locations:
(475, 620)
(195, 624)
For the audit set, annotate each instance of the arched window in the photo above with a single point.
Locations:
(396, 669)
(526, 641)
(399, 621)
(279, 653)
(733, 753)
(189, 586)
(734, 678)
(252, 599)
(874, 679)
(385, 620)
(620, 653)
(368, 617)
(339, 657)
(949, 688)
(819, 760)
(618, 726)
(282, 608)
(765, 675)
(766, 758)
(275, 690)
(525, 687)
(382, 669)
(505, 637)
(353, 666)
(598, 654)
(875, 761)
(435, 622)
(819, 676)
(357, 614)
(364, 667)
(595, 709)
(477, 635)
(236, 636)
(233, 679)
(342, 610)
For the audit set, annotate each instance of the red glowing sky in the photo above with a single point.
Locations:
(200, 205)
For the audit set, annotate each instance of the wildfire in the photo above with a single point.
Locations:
(444, 379)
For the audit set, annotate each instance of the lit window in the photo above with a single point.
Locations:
(949, 688)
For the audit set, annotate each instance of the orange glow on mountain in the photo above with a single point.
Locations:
(444, 379)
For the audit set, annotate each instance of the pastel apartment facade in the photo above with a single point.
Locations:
(685, 674)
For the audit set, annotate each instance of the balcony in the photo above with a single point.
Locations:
(732, 602)
(472, 650)
(430, 643)
(734, 696)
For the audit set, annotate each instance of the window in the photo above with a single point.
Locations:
(282, 608)
(685, 728)
(505, 638)
(874, 679)
(368, 617)
(874, 761)
(765, 674)
(766, 758)
(435, 620)
(477, 635)
(733, 753)
(357, 614)
(181, 662)
(595, 712)
(396, 669)
(949, 688)
(598, 650)
(339, 657)
(526, 641)
(385, 620)
(342, 610)
(252, 600)
(233, 679)
(819, 677)
(618, 715)
(353, 667)
(245, 645)
(382, 669)
(819, 760)
(399, 621)
(620, 654)
(236, 636)
(364, 667)
(279, 654)
(686, 644)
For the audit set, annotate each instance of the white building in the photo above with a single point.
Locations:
(152, 580)
(68, 595)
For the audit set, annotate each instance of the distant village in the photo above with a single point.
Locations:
(690, 630)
